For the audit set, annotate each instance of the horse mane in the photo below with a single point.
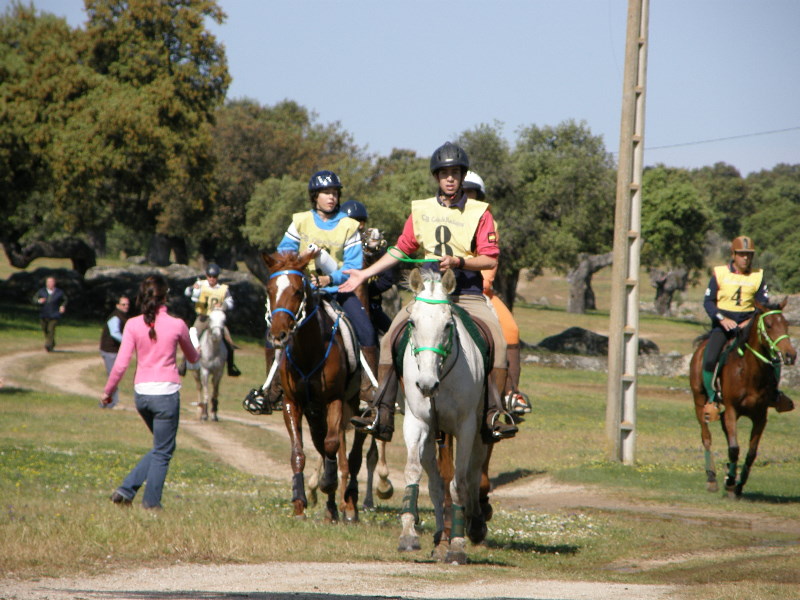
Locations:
(286, 259)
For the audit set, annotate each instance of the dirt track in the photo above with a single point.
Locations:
(308, 580)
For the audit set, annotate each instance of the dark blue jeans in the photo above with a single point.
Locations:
(161, 414)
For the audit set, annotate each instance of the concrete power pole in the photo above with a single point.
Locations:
(623, 343)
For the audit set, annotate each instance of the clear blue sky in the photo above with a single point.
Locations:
(414, 73)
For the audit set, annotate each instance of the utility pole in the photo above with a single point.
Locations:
(623, 343)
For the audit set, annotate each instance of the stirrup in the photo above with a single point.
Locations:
(367, 421)
(500, 430)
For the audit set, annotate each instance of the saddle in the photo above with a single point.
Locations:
(735, 344)
(351, 346)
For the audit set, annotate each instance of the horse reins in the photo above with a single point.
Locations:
(771, 344)
(298, 320)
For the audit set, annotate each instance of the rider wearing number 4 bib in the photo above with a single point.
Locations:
(730, 302)
(456, 233)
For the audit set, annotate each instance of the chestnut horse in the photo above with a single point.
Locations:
(317, 381)
(749, 384)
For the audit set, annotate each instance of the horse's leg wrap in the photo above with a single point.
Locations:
(330, 476)
(299, 489)
(410, 501)
(458, 528)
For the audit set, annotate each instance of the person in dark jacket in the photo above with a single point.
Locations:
(111, 338)
(52, 305)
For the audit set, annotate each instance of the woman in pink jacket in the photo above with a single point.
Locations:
(154, 336)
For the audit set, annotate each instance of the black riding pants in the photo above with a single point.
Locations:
(716, 342)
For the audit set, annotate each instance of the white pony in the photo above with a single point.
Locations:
(213, 357)
(443, 375)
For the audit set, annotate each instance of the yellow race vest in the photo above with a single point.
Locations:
(736, 292)
(443, 231)
(210, 297)
(331, 240)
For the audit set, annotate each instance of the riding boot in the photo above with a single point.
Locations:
(378, 419)
(371, 356)
(782, 402)
(497, 428)
(512, 381)
(711, 409)
(232, 370)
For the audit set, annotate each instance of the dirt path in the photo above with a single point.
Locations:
(302, 580)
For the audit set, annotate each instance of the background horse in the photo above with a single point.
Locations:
(749, 381)
(443, 374)
(213, 357)
(316, 379)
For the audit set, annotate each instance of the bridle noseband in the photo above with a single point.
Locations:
(299, 316)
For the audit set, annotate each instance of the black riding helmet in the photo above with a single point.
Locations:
(449, 155)
(322, 180)
(355, 210)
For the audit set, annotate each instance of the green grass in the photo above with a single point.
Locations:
(60, 457)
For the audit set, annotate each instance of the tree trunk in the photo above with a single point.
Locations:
(581, 294)
(505, 286)
(252, 258)
(79, 252)
(158, 252)
(666, 284)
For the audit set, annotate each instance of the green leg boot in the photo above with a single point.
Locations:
(708, 383)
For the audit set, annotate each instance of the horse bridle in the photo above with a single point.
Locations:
(299, 316)
(774, 353)
(442, 350)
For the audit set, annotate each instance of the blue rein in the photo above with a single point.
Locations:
(304, 376)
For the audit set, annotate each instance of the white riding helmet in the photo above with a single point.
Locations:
(473, 181)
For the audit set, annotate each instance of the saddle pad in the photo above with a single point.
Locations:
(349, 338)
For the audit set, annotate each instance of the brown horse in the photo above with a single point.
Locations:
(749, 384)
(317, 381)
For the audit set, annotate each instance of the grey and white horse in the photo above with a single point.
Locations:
(213, 357)
(443, 374)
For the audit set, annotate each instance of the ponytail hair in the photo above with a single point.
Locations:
(152, 294)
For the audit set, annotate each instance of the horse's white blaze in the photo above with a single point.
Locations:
(282, 284)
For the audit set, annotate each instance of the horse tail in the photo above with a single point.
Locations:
(701, 338)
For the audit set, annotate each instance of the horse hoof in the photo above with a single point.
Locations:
(477, 530)
(385, 492)
(214, 417)
(408, 543)
(350, 516)
(455, 557)
(712, 487)
(301, 517)
(439, 553)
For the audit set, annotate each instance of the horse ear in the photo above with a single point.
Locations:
(268, 259)
(449, 281)
(415, 281)
(782, 305)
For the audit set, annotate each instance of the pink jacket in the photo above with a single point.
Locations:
(155, 360)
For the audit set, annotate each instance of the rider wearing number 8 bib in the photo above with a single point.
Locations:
(460, 234)
(730, 302)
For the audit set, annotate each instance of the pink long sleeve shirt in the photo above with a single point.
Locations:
(155, 359)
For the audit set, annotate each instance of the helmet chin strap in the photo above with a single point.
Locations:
(452, 197)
